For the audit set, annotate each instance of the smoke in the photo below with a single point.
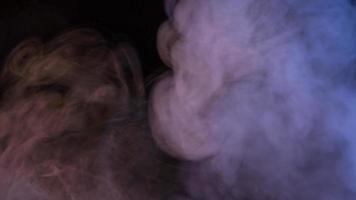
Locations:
(73, 123)
(261, 98)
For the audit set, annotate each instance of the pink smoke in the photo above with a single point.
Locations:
(261, 98)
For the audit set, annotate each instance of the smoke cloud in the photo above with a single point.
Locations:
(261, 98)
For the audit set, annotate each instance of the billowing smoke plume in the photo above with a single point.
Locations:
(72, 123)
(262, 98)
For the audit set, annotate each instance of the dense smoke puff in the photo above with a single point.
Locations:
(262, 97)
(72, 123)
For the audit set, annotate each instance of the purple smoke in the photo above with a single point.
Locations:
(261, 98)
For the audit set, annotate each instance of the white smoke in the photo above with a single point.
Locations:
(262, 98)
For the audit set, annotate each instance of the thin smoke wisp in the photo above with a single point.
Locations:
(73, 125)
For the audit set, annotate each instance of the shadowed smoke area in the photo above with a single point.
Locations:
(73, 123)
(261, 98)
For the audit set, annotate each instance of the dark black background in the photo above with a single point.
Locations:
(136, 21)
